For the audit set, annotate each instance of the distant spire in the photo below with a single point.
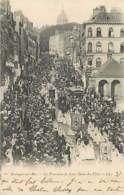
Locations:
(62, 17)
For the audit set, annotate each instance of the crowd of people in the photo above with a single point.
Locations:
(101, 114)
(66, 75)
(27, 115)
(93, 108)
(27, 121)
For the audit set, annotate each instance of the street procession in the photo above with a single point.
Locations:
(62, 97)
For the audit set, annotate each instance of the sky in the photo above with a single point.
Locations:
(42, 12)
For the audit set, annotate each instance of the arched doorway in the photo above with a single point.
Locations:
(103, 86)
(115, 89)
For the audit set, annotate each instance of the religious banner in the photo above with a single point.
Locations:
(76, 121)
(62, 128)
(52, 93)
(105, 150)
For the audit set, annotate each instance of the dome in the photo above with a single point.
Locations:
(62, 18)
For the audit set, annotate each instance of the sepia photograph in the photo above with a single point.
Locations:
(62, 96)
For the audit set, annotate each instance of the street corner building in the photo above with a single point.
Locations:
(104, 47)
(104, 34)
(109, 80)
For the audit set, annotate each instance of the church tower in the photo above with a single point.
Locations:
(62, 17)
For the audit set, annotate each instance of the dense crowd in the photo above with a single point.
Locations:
(94, 109)
(27, 121)
(101, 114)
(66, 75)
(27, 115)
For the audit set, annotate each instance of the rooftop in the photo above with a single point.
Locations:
(110, 69)
(100, 15)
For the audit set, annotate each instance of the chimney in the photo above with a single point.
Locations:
(99, 10)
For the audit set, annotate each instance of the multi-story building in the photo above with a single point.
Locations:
(8, 42)
(32, 44)
(57, 44)
(29, 41)
(66, 44)
(19, 45)
(104, 37)
(18, 16)
(103, 48)
(19, 42)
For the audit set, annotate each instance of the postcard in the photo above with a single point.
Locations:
(62, 97)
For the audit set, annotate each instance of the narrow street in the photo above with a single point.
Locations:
(62, 99)
(82, 152)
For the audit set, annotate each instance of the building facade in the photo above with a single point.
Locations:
(109, 80)
(104, 37)
(29, 41)
(9, 42)
(19, 43)
(66, 44)
(57, 44)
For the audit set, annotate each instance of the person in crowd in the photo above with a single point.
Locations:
(25, 112)
(68, 152)
(30, 114)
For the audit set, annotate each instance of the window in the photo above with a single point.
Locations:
(90, 32)
(122, 32)
(110, 47)
(98, 32)
(122, 61)
(98, 47)
(89, 61)
(98, 62)
(122, 48)
(89, 47)
(111, 32)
